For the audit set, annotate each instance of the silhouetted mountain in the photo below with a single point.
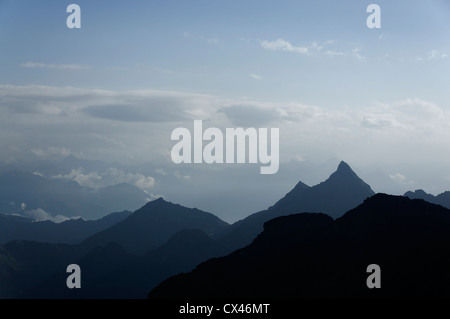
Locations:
(24, 264)
(71, 231)
(342, 191)
(153, 224)
(111, 272)
(64, 197)
(441, 199)
(312, 256)
(97, 265)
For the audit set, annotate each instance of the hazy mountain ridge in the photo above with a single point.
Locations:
(342, 191)
(162, 239)
(22, 192)
(440, 199)
(71, 231)
(154, 223)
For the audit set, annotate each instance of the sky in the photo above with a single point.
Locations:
(116, 88)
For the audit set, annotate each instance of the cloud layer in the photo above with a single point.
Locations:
(53, 122)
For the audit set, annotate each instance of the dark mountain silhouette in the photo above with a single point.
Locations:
(99, 263)
(441, 199)
(24, 264)
(312, 256)
(64, 197)
(342, 191)
(111, 272)
(34, 270)
(153, 224)
(68, 232)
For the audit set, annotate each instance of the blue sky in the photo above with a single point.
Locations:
(116, 88)
(215, 47)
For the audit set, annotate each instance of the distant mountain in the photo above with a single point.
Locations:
(72, 231)
(111, 272)
(342, 191)
(441, 199)
(153, 224)
(64, 197)
(312, 256)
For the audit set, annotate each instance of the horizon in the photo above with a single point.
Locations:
(195, 202)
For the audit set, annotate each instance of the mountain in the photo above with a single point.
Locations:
(72, 231)
(342, 191)
(153, 224)
(441, 199)
(24, 264)
(111, 272)
(313, 256)
(22, 192)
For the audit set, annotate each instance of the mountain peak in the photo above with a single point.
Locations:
(343, 166)
(343, 172)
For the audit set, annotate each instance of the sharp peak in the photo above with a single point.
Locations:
(343, 170)
(344, 166)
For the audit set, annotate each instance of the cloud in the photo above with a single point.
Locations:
(91, 179)
(283, 45)
(388, 130)
(400, 179)
(356, 54)
(35, 65)
(109, 177)
(256, 77)
(313, 49)
(379, 121)
(154, 111)
(40, 215)
(260, 114)
(435, 54)
(51, 151)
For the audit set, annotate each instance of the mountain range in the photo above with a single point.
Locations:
(72, 231)
(441, 199)
(342, 191)
(152, 225)
(313, 256)
(312, 243)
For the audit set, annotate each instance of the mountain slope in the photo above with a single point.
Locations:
(24, 264)
(312, 256)
(153, 224)
(342, 191)
(68, 232)
(111, 272)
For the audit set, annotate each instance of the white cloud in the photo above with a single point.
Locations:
(86, 180)
(41, 215)
(313, 49)
(34, 65)
(400, 179)
(255, 76)
(180, 176)
(283, 45)
(111, 176)
(356, 54)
